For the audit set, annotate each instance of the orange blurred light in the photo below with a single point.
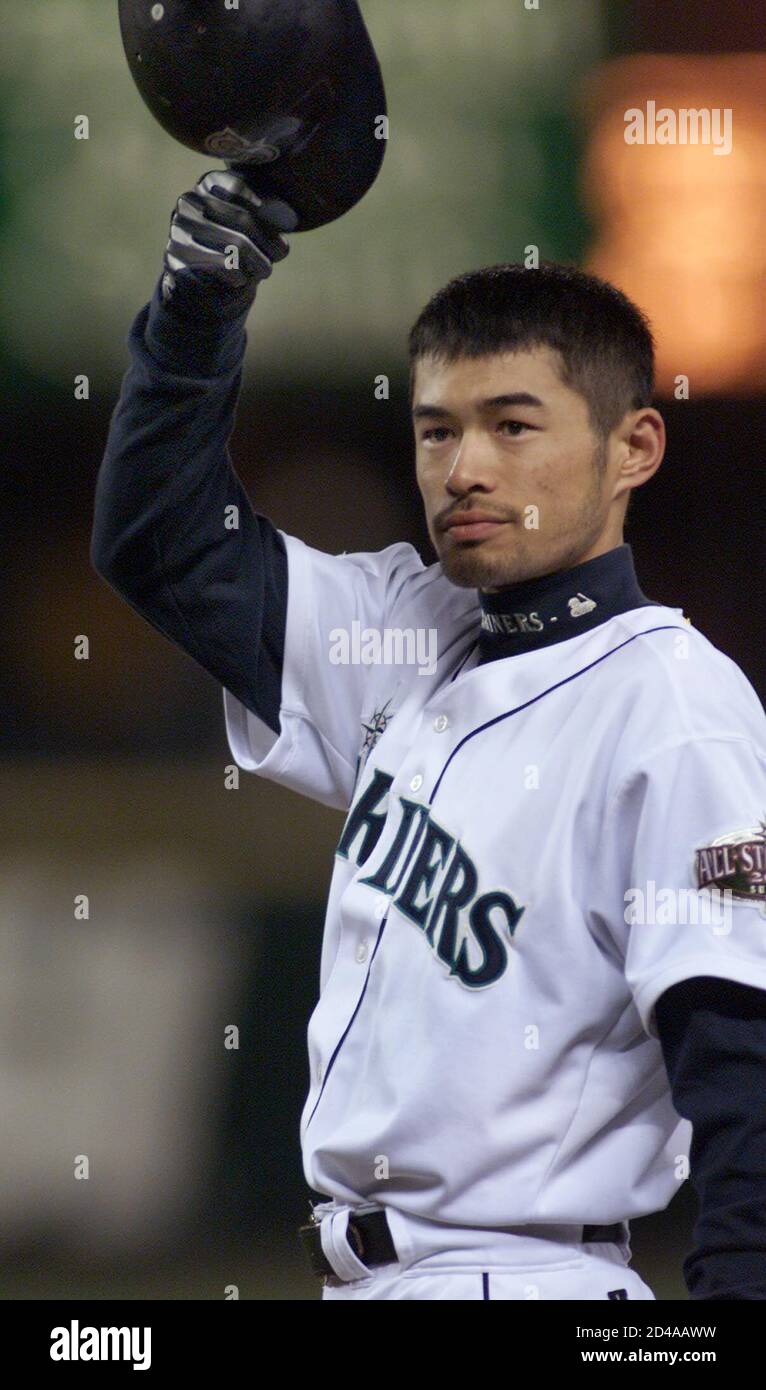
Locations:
(681, 227)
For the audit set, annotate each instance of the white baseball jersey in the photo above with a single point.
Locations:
(534, 851)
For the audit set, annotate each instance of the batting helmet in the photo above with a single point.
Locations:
(287, 92)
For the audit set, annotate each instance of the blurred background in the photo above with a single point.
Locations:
(144, 907)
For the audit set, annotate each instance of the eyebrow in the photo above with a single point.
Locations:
(439, 412)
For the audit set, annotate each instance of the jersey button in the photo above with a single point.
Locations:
(416, 783)
(440, 723)
(381, 904)
(361, 952)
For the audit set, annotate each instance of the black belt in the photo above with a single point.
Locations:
(368, 1236)
(370, 1239)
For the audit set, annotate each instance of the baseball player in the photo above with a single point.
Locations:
(543, 974)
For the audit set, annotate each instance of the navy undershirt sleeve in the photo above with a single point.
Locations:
(713, 1038)
(165, 490)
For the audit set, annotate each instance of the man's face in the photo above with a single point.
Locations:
(515, 482)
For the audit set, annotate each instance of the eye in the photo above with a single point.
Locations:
(430, 435)
(515, 426)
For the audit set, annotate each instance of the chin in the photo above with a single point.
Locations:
(468, 566)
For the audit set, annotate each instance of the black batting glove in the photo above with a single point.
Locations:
(224, 240)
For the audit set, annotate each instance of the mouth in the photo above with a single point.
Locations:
(472, 526)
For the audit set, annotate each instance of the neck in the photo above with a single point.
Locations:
(537, 612)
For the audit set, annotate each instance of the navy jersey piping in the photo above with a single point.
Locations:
(348, 1026)
(507, 714)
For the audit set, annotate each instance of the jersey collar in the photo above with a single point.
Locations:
(555, 607)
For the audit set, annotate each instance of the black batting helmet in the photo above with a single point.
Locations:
(287, 92)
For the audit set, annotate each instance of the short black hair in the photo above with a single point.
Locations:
(604, 341)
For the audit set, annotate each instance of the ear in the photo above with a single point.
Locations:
(639, 446)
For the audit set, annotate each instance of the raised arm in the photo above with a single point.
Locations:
(173, 530)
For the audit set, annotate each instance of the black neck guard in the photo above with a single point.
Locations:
(557, 606)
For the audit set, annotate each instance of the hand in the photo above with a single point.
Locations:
(224, 239)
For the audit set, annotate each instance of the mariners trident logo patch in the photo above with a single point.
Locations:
(736, 861)
(373, 728)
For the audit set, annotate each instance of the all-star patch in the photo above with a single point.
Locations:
(736, 862)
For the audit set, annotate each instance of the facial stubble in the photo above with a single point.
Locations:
(528, 552)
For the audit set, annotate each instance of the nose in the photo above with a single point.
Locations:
(471, 467)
